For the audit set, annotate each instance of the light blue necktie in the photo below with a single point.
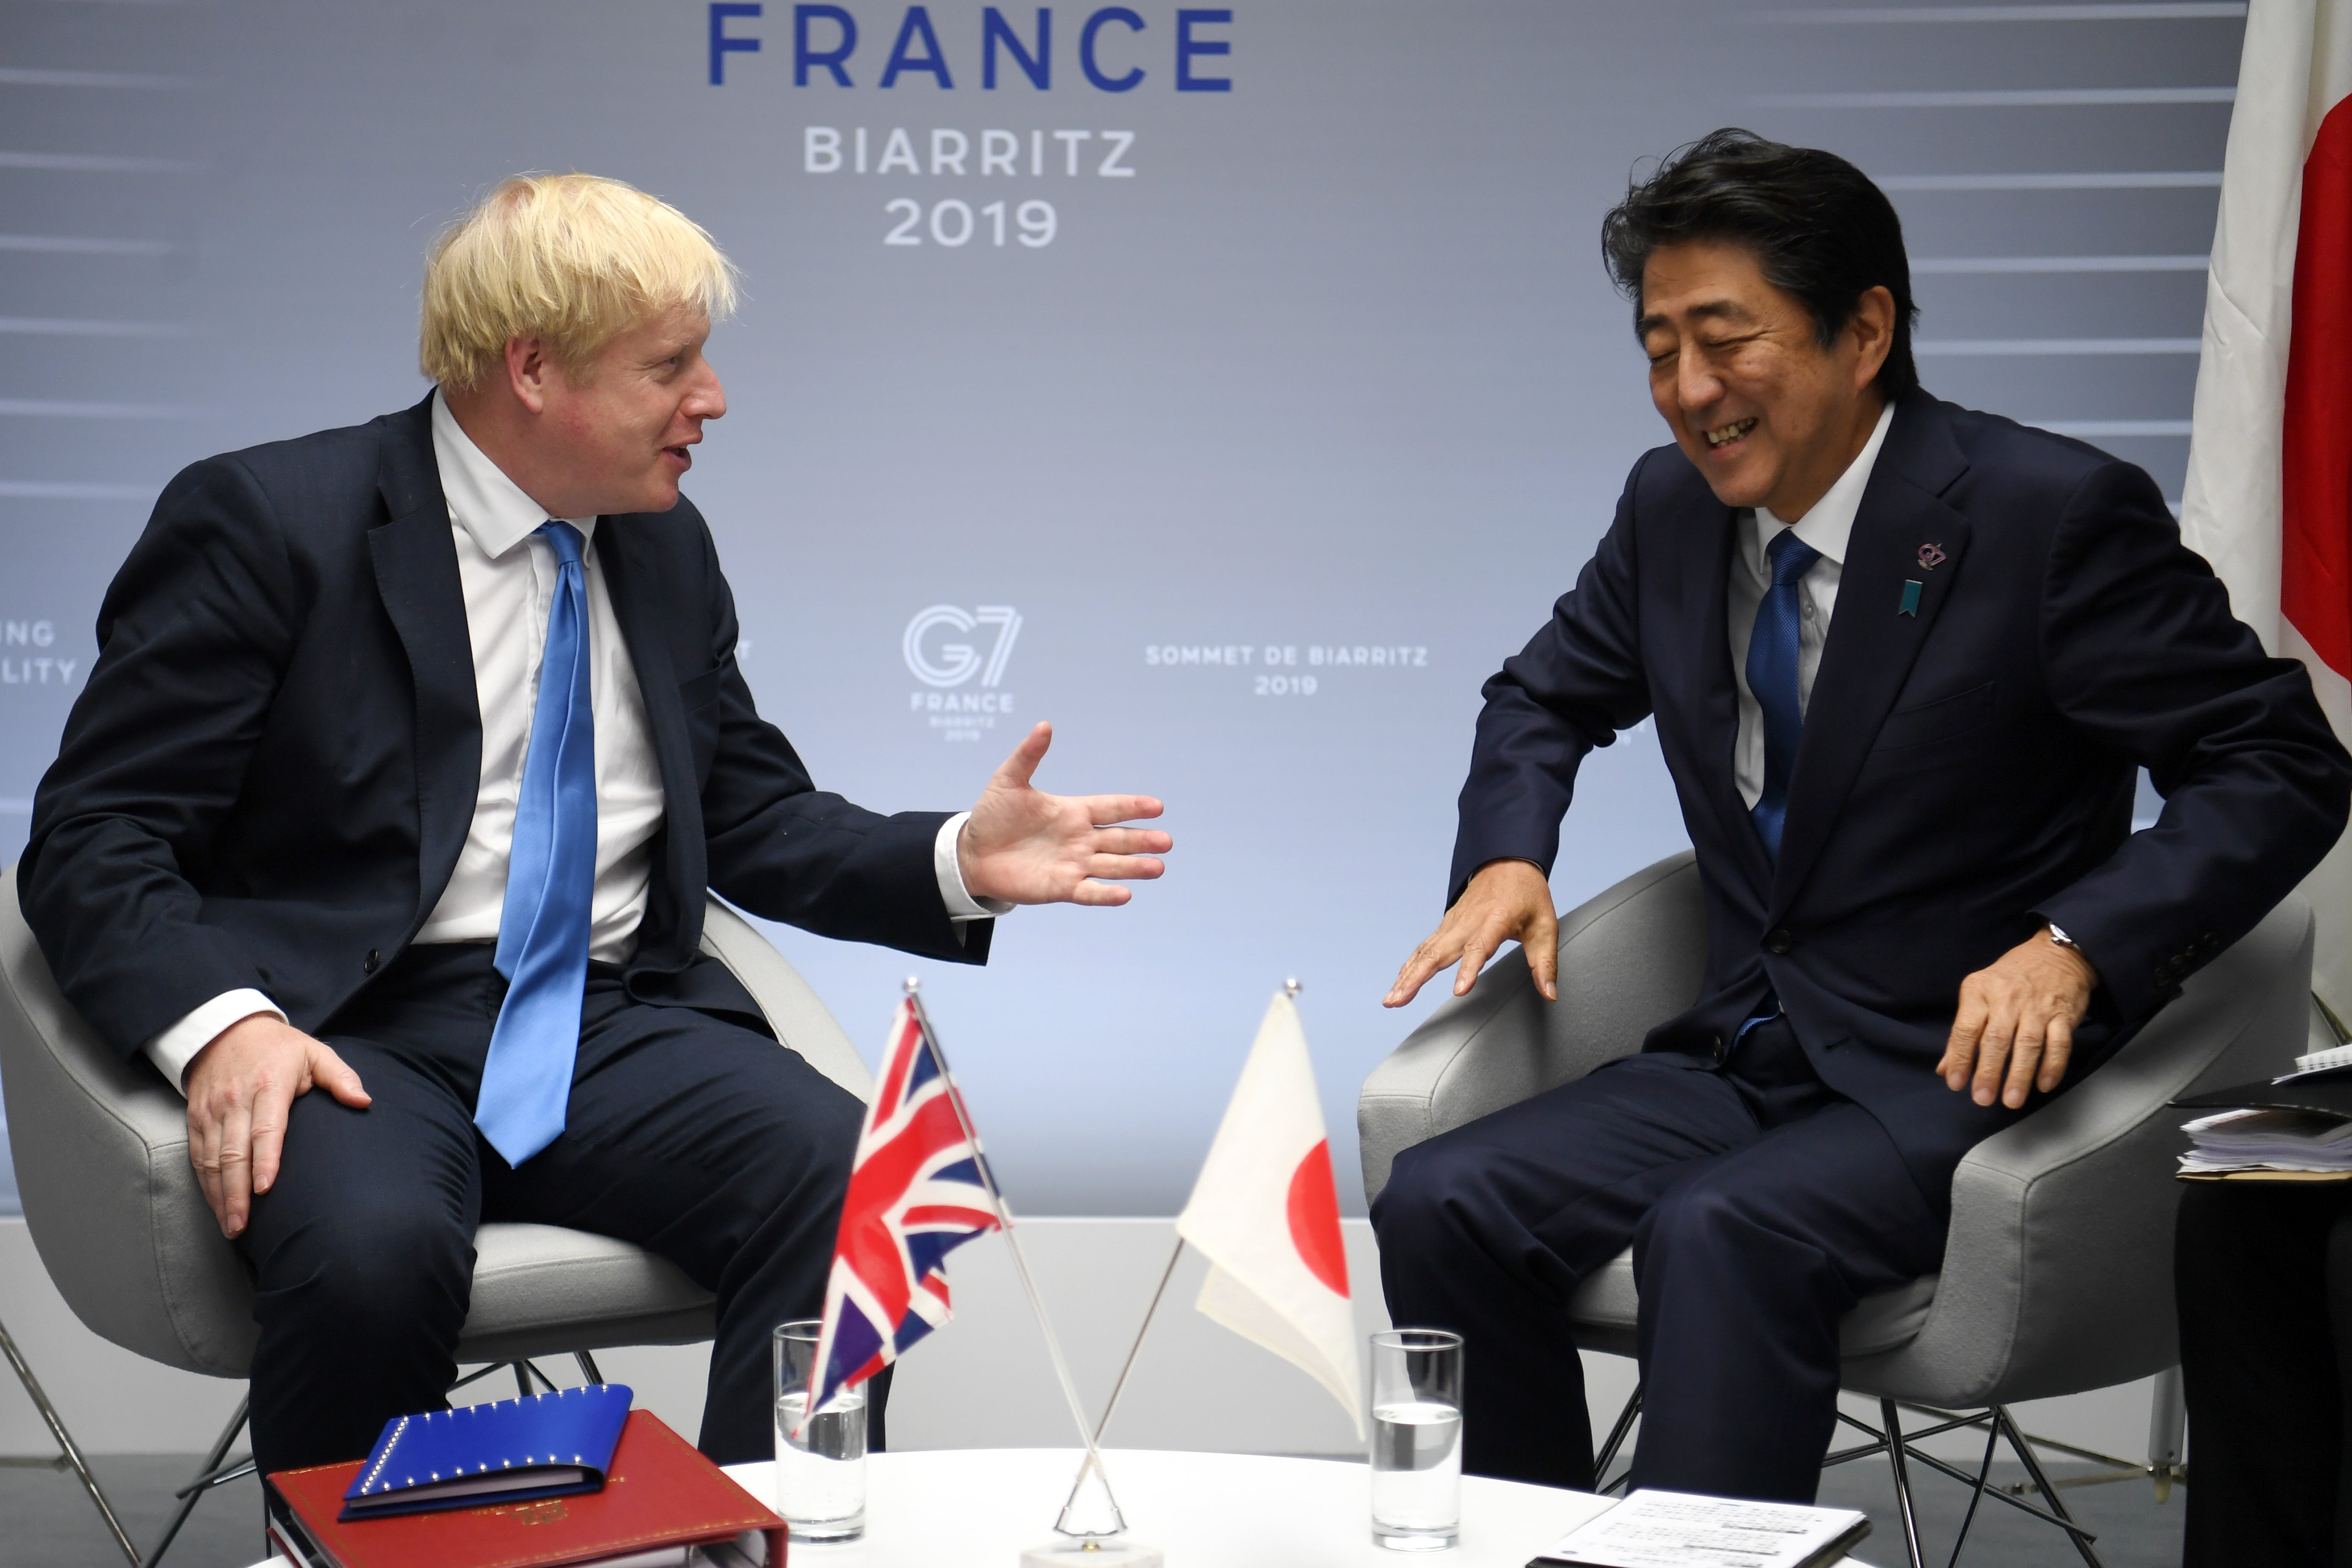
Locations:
(551, 882)
(1772, 678)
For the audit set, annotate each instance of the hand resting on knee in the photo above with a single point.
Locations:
(2019, 1015)
(240, 1087)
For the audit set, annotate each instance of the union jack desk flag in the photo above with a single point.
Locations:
(915, 1195)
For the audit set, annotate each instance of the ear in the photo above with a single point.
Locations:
(1873, 328)
(530, 370)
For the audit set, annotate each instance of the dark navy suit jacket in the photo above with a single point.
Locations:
(270, 775)
(1966, 771)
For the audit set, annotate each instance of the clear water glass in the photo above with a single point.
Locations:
(1417, 1440)
(820, 1461)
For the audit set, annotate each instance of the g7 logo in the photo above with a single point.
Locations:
(959, 660)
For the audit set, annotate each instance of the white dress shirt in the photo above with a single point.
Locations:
(508, 573)
(1826, 527)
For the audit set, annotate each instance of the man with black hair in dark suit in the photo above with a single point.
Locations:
(1905, 660)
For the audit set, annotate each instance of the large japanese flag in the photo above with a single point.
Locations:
(1265, 1212)
(2269, 498)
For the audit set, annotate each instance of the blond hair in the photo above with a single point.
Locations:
(571, 259)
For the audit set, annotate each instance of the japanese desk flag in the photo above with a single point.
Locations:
(1265, 1213)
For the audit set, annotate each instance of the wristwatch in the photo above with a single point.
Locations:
(2060, 939)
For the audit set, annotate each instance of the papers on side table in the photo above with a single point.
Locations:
(2317, 1064)
(1679, 1529)
(2270, 1140)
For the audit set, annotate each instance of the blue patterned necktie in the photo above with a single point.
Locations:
(1772, 679)
(551, 882)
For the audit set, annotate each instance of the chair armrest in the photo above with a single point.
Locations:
(1630, 958)
(792, 1009)
(101, 1154)
(2058, 1271)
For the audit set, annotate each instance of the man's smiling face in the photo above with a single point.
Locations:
(1769, 416)
(625, 427)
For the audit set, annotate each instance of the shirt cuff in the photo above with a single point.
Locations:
(176, 1047)
(945, 864)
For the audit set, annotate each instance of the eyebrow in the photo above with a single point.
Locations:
(1714, 309)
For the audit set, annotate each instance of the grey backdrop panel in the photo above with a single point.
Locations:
(1322, 361)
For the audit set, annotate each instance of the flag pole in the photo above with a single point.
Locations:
(1119, 1387)
(1136, 1348)
(1290, 988)
(1020, 1264)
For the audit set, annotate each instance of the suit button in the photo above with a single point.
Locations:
(368, 964)
(1778, 940)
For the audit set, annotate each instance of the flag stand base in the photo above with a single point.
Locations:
(1093, 1551)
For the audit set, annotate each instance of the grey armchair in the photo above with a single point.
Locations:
(2057, 1277)
(101, 1156)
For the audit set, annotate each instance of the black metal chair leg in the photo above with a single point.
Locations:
(2076, 1533)
(65, 1442)
(209, 1475)
(527, 1374)
(1895, 1458)
(1975, 1495)
(588, 1366)
(1625, 1418)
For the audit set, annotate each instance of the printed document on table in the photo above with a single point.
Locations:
(1679, 1529)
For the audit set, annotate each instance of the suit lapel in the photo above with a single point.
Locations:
(1873, 638)
(415, 561)
(673, 924)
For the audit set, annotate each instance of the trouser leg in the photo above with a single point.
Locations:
(2253, 1268)
(715, 1148)
(1744, 1268)
(364, 1258)
(1488, 1230)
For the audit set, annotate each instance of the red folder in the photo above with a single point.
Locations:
(658, 1493)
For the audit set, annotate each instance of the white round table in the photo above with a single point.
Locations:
(982, 1507)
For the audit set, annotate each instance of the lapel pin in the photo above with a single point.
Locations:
(1931, 556)
(1910, 606)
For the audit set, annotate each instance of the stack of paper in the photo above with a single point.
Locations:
(1681, 1529)
(2335, 1058)
(2267, 1141)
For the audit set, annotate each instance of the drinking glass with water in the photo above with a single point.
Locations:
(820, 1459)
(1417, 1440)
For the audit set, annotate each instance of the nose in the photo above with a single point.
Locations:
(708, 399)
(1696, 385)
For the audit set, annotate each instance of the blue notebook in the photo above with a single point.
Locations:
(548, 1445)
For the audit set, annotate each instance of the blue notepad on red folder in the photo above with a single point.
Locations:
(544, 1445)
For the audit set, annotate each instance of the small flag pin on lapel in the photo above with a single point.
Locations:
(1910, 606)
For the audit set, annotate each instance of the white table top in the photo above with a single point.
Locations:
(951, 1507)
(983, 1506)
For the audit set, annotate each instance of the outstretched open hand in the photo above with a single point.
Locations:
(1031, 847)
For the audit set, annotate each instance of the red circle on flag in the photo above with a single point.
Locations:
(1315, 1219)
